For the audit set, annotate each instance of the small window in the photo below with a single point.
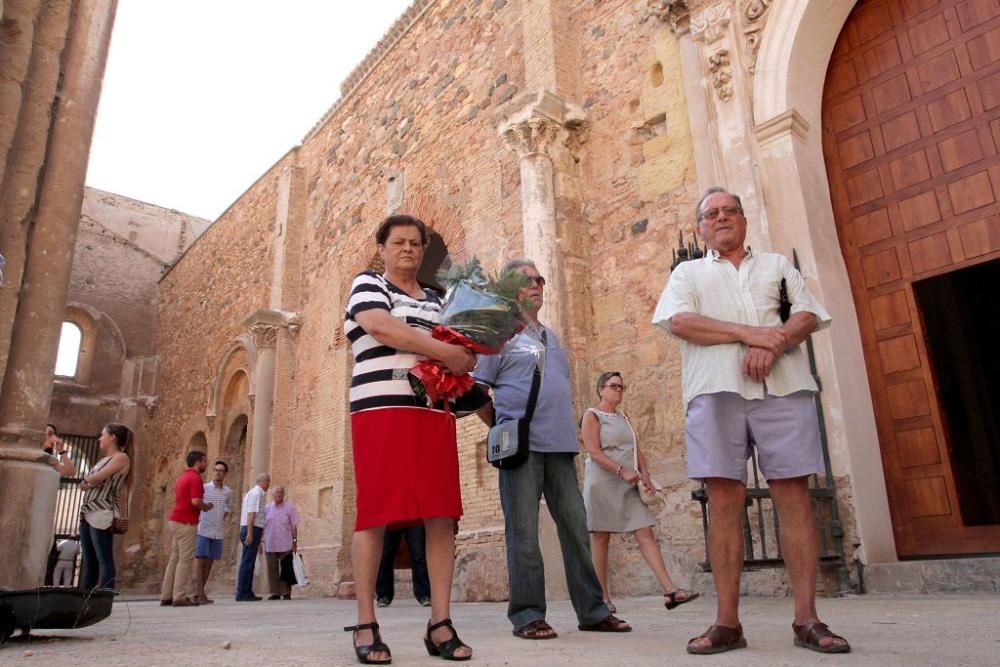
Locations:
(68, 358)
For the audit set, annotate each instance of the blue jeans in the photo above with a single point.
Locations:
(244, 579)
(416, 539)
(97, 559)
(521, 489)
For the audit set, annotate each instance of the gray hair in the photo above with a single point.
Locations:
(519, 263)
(712, 191)
(263, 477)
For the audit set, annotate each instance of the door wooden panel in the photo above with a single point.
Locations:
(911, 130)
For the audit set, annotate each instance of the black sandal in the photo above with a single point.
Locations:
(670, 600)
(376, 646)
(447, 648)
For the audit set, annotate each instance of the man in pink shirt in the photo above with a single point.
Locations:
(178, 588)
(281, 537)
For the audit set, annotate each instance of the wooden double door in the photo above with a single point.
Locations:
(911, 131)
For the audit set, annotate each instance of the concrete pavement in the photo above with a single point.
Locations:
(884, 630)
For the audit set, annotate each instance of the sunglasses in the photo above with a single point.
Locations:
(619, 387)
(535, 280)
(713, 213)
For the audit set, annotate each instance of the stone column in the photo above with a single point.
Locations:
(27, 482)
(532, 132)
(263, 326)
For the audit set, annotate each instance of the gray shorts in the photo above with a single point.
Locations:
(785, 430)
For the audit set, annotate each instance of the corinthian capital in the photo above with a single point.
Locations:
(531, 136)
(264, 335)
(537, 120)
(673, 12)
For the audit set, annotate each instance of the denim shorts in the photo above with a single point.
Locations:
(720, 428)
(209, 548)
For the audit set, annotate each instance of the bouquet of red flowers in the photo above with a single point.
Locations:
(481, 312)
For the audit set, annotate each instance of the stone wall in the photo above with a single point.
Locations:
(417, 131)
(203, 298)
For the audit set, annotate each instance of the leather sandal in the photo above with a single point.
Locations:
(808, 635)
(721, 639)
(447, 648)
(536, 630)
(670, 600)
(609, 624)
(377, 645)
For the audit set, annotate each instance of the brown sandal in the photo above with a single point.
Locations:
(721, 639)
(536, 630)
(809, 635)
(609, 624)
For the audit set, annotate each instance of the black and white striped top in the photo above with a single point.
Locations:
(380, 372)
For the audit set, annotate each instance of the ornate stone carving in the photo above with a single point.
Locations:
(264, 335)
(721, 69)
(532, 136)
(711, 24)
(674, 12)
(293, 322)
(754, 18)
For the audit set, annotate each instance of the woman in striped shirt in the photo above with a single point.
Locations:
(405, 453)
(102, 488)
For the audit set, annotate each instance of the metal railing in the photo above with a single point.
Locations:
(83, 451)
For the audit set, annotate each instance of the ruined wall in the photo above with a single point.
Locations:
(423, 117)
(203, 299)
(641, 189)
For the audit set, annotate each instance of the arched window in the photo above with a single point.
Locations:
(68, 359)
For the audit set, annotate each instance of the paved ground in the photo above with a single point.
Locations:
(885, 630)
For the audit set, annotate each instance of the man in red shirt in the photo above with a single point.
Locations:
(178, 581)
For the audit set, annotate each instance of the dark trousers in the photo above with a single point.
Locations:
(244, 578)
(97, 557)
(415, 543)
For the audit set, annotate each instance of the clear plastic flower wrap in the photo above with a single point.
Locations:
(480, 312)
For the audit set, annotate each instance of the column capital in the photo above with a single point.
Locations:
(674, 13)
(263, 326)
(537, 121)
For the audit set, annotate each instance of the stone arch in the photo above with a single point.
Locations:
(92, 322)
(242, 342)
(235, 451)
(795, 51)
(198, 442)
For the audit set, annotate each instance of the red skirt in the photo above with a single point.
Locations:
(405, 466)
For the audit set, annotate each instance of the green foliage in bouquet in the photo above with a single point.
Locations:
(483, 306)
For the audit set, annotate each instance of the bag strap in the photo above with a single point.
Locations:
(536, 383)
(635, 443)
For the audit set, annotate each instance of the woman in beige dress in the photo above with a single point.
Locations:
(610, 490)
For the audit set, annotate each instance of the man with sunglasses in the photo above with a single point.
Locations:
(208, 548)
(746, 382)
(549, 471)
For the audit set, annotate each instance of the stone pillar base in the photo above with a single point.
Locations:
(28, 488)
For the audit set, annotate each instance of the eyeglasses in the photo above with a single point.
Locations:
(617, 387)
(713, 213)
(535, 280)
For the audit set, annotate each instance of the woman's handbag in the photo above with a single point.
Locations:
(648, 497)
(119, 523)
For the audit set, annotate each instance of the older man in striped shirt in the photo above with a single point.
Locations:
(208, 548)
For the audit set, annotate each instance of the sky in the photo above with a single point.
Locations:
(201, 97)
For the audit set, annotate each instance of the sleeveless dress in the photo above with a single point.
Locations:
(613, 506)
